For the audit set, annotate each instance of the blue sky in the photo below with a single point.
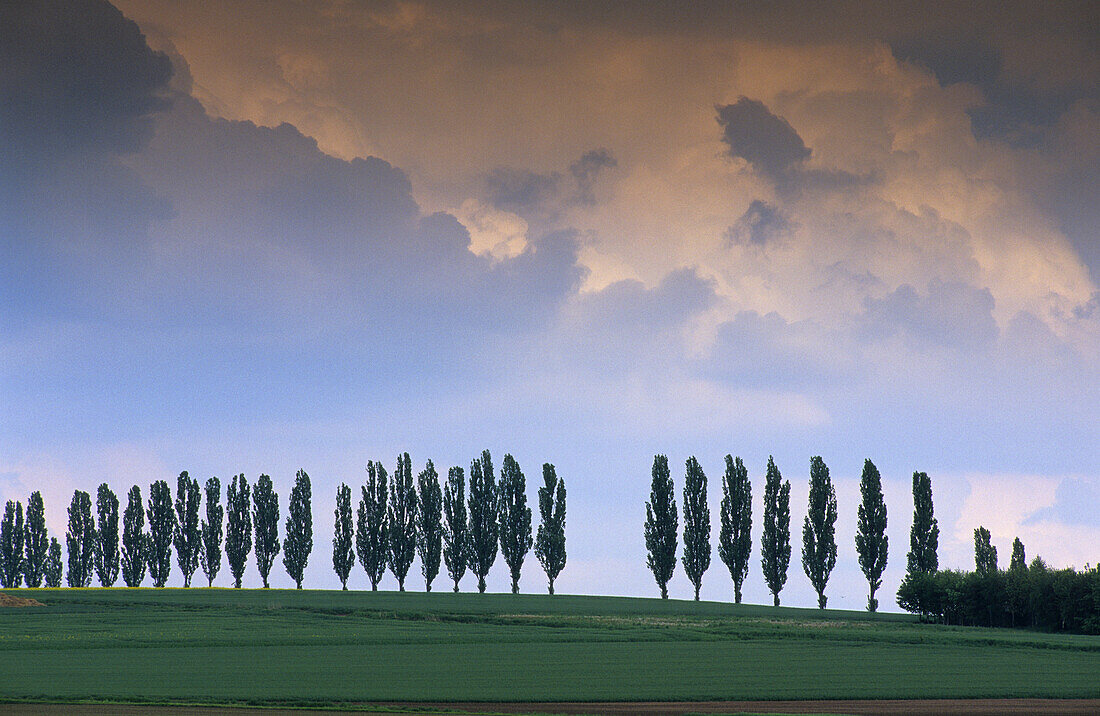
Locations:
(263, 237)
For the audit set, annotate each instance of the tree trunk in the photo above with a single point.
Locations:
(551, 586)
(696, 592)
(427, 586)
(345, 587)
(401, 584)
(456, 586)
(515, 584)
(664, 591)
(775, 596)
(737, 592)
(481, 584)
(821, 599)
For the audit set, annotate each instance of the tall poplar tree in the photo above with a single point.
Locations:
(515, 518)
(370, 535)
(775, 545)
(924, 535)
(80, 540)
(696, 557)
(135, 541)
(401, 521)
(1017, 563)
(53, 566)
(343, 536)
(456, 533)
(36, 544)
(985, 554)
(265, 520)
(162, 528)
(106, 548)
(12, 536)
(238, 533)
(735, 534)
(429, 523)
(484, 528)
(819, 529)
(550, 539)
(661, 525)
(211, 550)
(299, 528)
(872, 542)
(187, 535)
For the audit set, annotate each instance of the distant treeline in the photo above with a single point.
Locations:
(395, 521)
(1035, 596)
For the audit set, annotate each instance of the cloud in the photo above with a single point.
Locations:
(949, 314)
(760, 224)
(586, 171)
(1075, 502)
(768, 142)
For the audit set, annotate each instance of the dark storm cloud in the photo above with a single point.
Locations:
(762, 222)
(544, 196)
(587, 169)
(768, 142)
(75, 76)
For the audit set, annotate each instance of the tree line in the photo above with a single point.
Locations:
(1023, 595)
(396, 520)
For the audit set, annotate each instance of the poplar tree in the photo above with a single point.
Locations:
(872, 543)
(299, 528)
(985, 554)
(924, 535)
(211, 553)
(696, 556)
(343, 536)
(106, 549)
(12, 536)
(661, 525)
(429, 523)
(80, 541)
(456, 534)
(162, 527)
(515, 518)
(775, 546)
(187, 535)
(52, 568)
(401, 521)
(819, 529)
(735, 534)
(36, 543)
(265, 520)
(484, 528)
(238, 533)
(370, 535)
(1017, 564)
(135, 541)
(550, 539)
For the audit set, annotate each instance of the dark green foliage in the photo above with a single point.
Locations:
(924, 535)
(550, 540)
(985, 554)
(36, 543)
(370, 535)
(819, 529)
(162, 528)
(456, 532)
(210, 554)
(872, 543)
(187, 536)
(12, 536)
(515, 518)
(483, 518)
(299, 528)
(51, 570)
(735, 534)
(429, 523)
(343, 536)
(696, 557)
(106, 548)
(80, 541)
(135, 541)
(1018, 561)
(661, 525)
(265, 520)
(238, 533)
(401, 521)
(775, 543)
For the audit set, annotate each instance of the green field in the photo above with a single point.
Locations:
(322, 647)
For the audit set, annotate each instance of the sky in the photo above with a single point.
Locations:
(259, 236)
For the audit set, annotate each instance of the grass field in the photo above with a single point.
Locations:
(315, 647)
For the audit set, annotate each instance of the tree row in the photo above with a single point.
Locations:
(395, 521)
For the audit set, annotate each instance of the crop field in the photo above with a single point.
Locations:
(220, 646)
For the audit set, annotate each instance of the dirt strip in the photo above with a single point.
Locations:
(920, 707)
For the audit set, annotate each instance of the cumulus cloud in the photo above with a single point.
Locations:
(767, 142)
